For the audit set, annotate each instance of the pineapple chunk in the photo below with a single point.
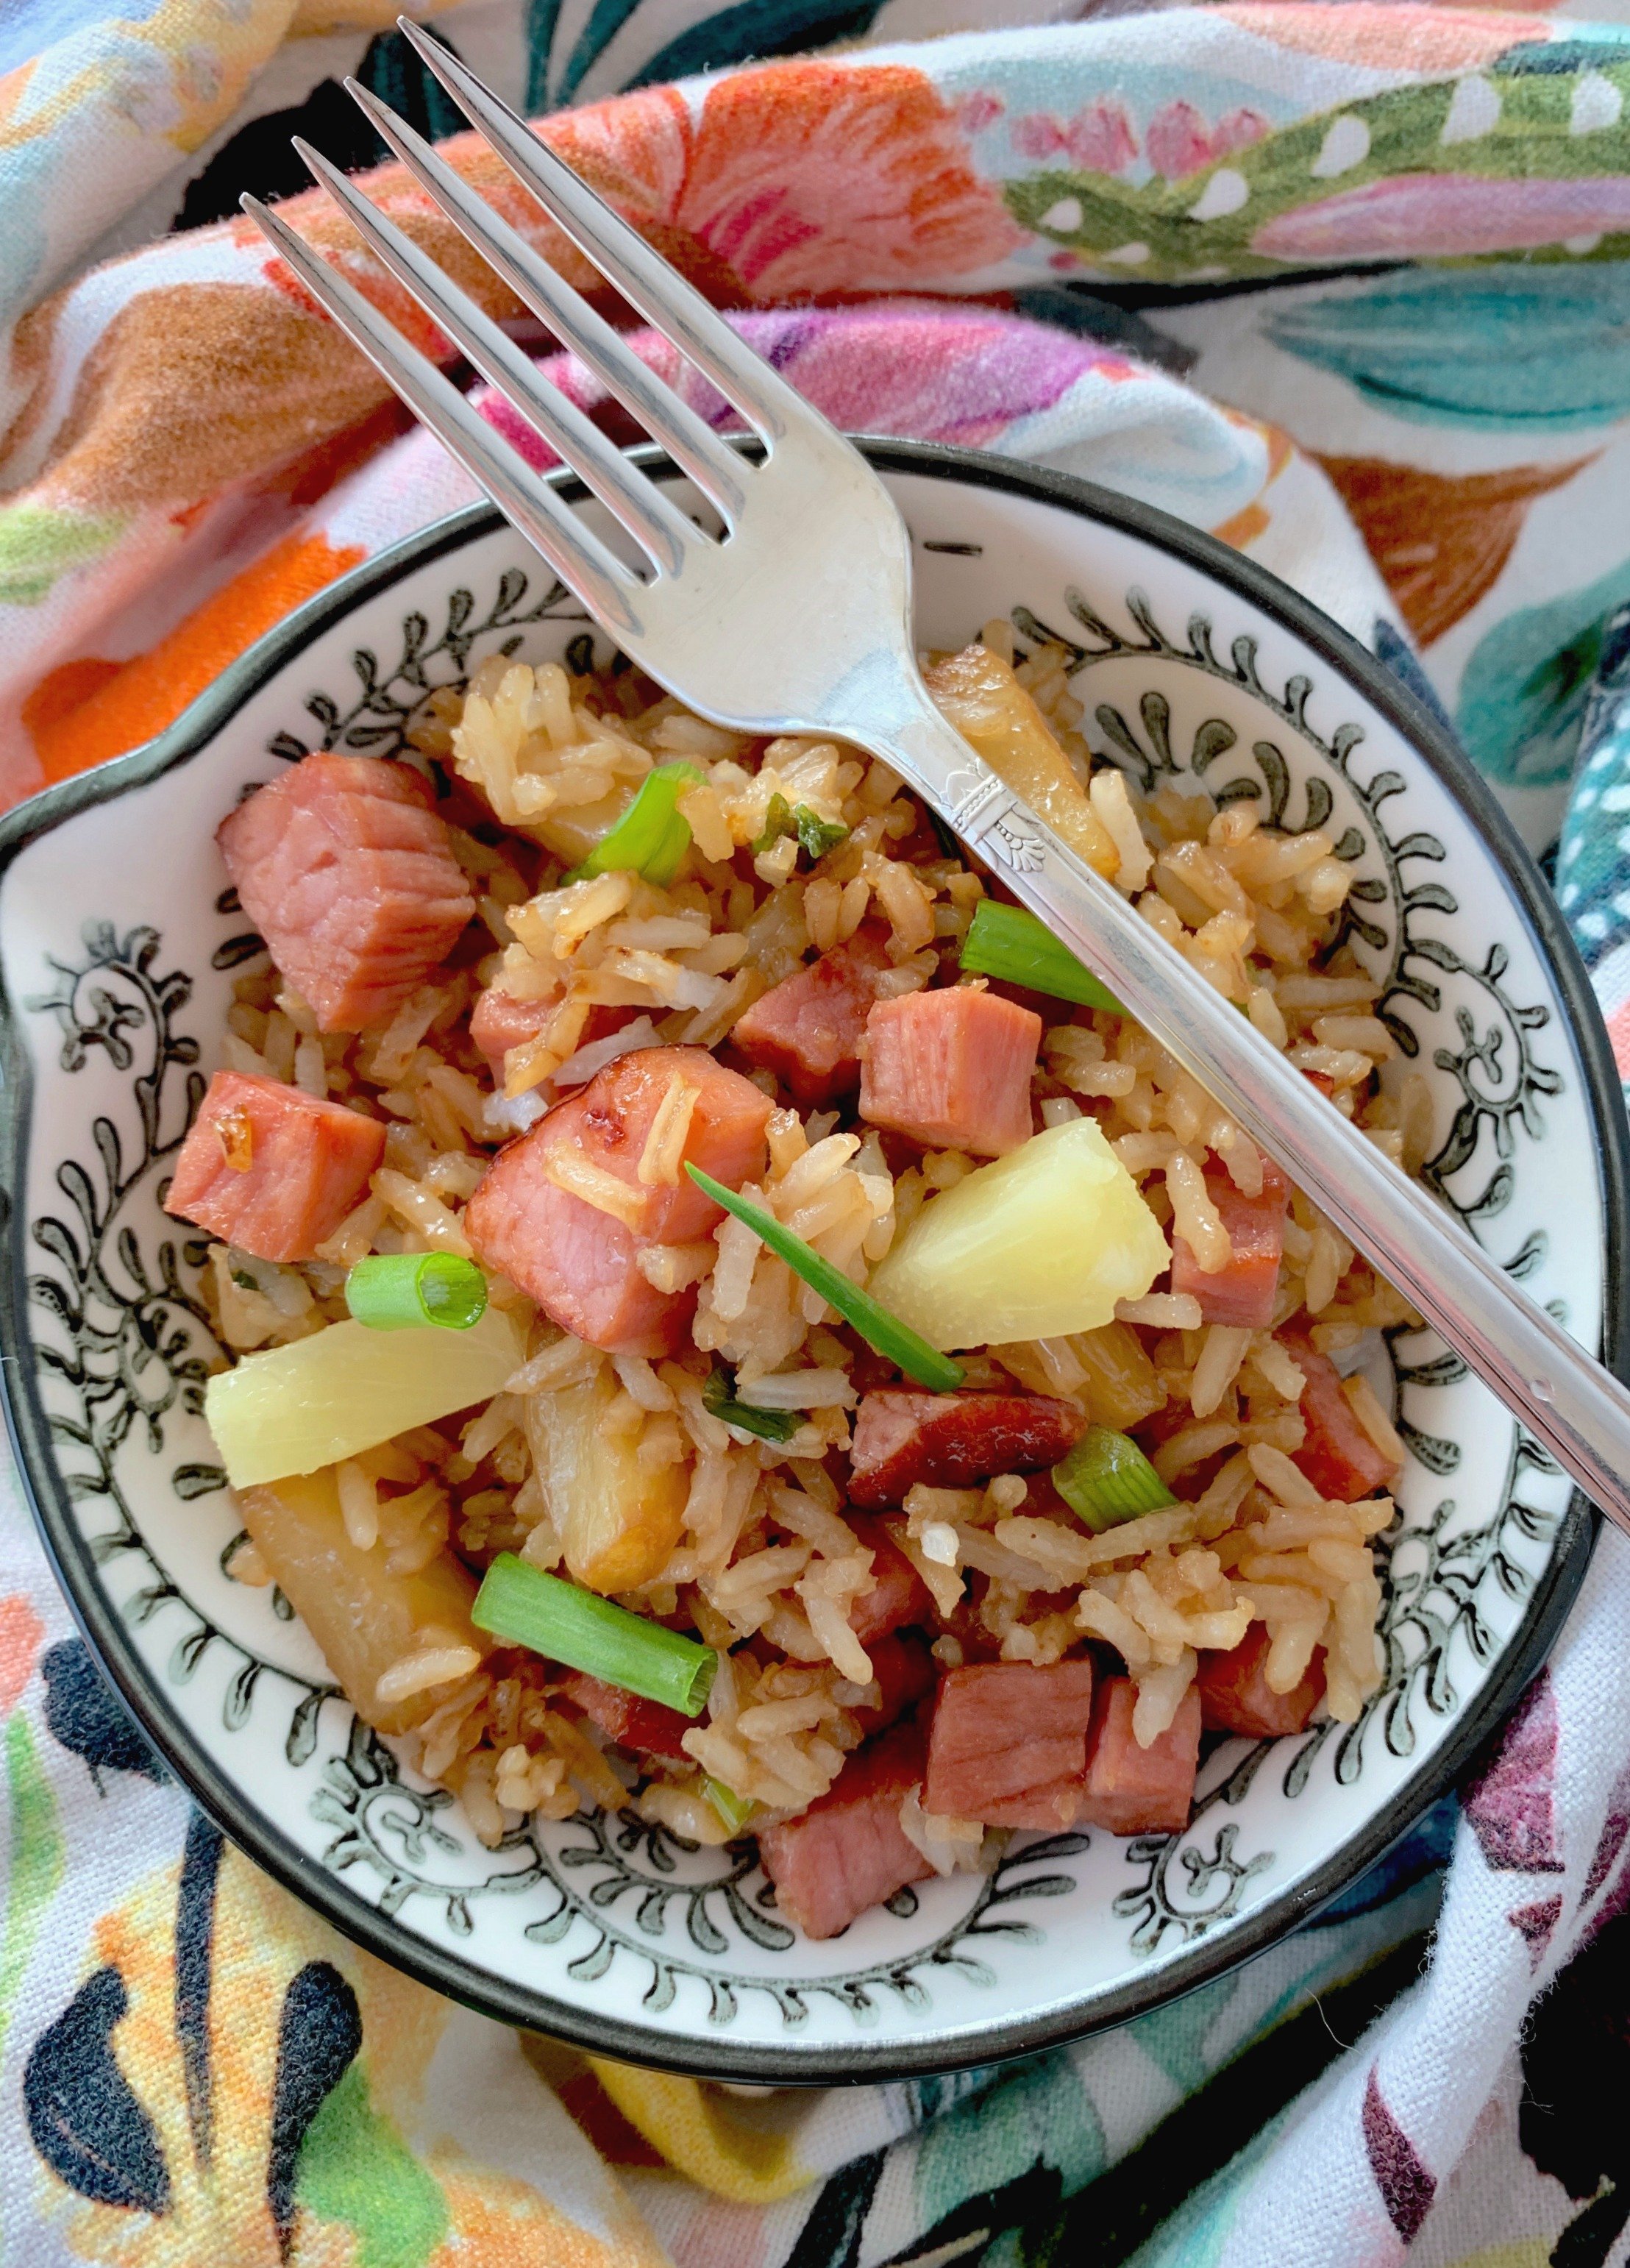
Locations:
(346, 1388)
(366, 1620)
(1042, 1243)
(617, 1521)
(977, 692)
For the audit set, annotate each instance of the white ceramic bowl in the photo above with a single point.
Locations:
(118, 941)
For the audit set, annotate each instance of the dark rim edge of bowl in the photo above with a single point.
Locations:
(966, 2045)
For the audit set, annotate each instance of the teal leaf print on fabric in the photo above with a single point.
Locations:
(34, 1868)
(1524, 693)
(1033, 2139)
(1490, 348)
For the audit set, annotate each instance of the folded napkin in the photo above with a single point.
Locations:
(1345, 284)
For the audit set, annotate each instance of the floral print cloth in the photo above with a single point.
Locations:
(1347, 285)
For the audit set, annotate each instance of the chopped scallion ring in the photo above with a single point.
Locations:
(403, 1291)
(718, 1395)
(522, 1606)
(650, 838)
(1008, 943)
(880, 1329)
(1107, 1478)
(735, 1810)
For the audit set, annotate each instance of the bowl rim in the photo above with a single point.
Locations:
(506, 2001)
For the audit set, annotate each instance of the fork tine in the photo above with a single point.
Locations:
(605, 587)
(692, 445)
(648, 514)
(644, 277)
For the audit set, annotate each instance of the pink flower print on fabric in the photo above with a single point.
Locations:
(1178, 144)
(1439, 216)
(973, 113)
(1406, 2187)
(1535, 1924)
(1512, 1810)
(1097, 140)
(938, 374)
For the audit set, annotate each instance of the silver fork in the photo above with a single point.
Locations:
(813, 538)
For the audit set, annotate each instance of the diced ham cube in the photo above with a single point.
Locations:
(848, 1852)
(808, 1028)
(905, 1671)
(499, 1021)
(1241, 1294)
(952, 1069)
(350, 876)
(1008, 1743)
(270, 1169)
(1338, 1457)
(581, 1263)
(1235, 1696)
(1134, 1791)
(897, 1595)
(645, 1729)
(954, 1440)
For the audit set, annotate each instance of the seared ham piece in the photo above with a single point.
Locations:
(952, 1069)
(954, 1440)
(576, 1257)
(1235, 1696)
(1242, 1292)
(1338, 1457)
(848, 1851)
(1008, 1743)
(808, 1028)
(350, 876)
(1134, 1791)
(270, 1169)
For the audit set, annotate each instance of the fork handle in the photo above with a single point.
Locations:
(1561, 1393)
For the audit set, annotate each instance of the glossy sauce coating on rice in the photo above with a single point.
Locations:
(766, 1561)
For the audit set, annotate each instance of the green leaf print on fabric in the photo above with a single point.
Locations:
(36, 1867)
(1036, 2133)
(1456, 169)
(356, 2167)
(37, 546)
(1523, 691)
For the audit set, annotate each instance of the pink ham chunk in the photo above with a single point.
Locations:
(500, 1022)
(954, 1440)
(848, 1852)
(808, 1028)
(1235, 1696)
(579, 1262)
(1008, 1743)
(904, 1672)
(1242, 1292)
(349, 877)
(1134, 1791)
(952, 1069)
(1338, 1457)
(897, 1596)
(270, 1169)
(645, 1729)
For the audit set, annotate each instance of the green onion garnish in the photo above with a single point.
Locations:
(1005, 942)
(880, 1329)
(718, 1395)
(650, 837)
(816, 836)
(402, 1291)
(522, 1606)
(735, 1810)
(1107, 1478)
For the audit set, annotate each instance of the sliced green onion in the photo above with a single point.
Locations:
(880, 1329)
(650, 837)
(718, 1395)
(1107, 1478)
(402, 1291)
(816, 836)
(735, 1810)
(1006, 942)
(522, 1606)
